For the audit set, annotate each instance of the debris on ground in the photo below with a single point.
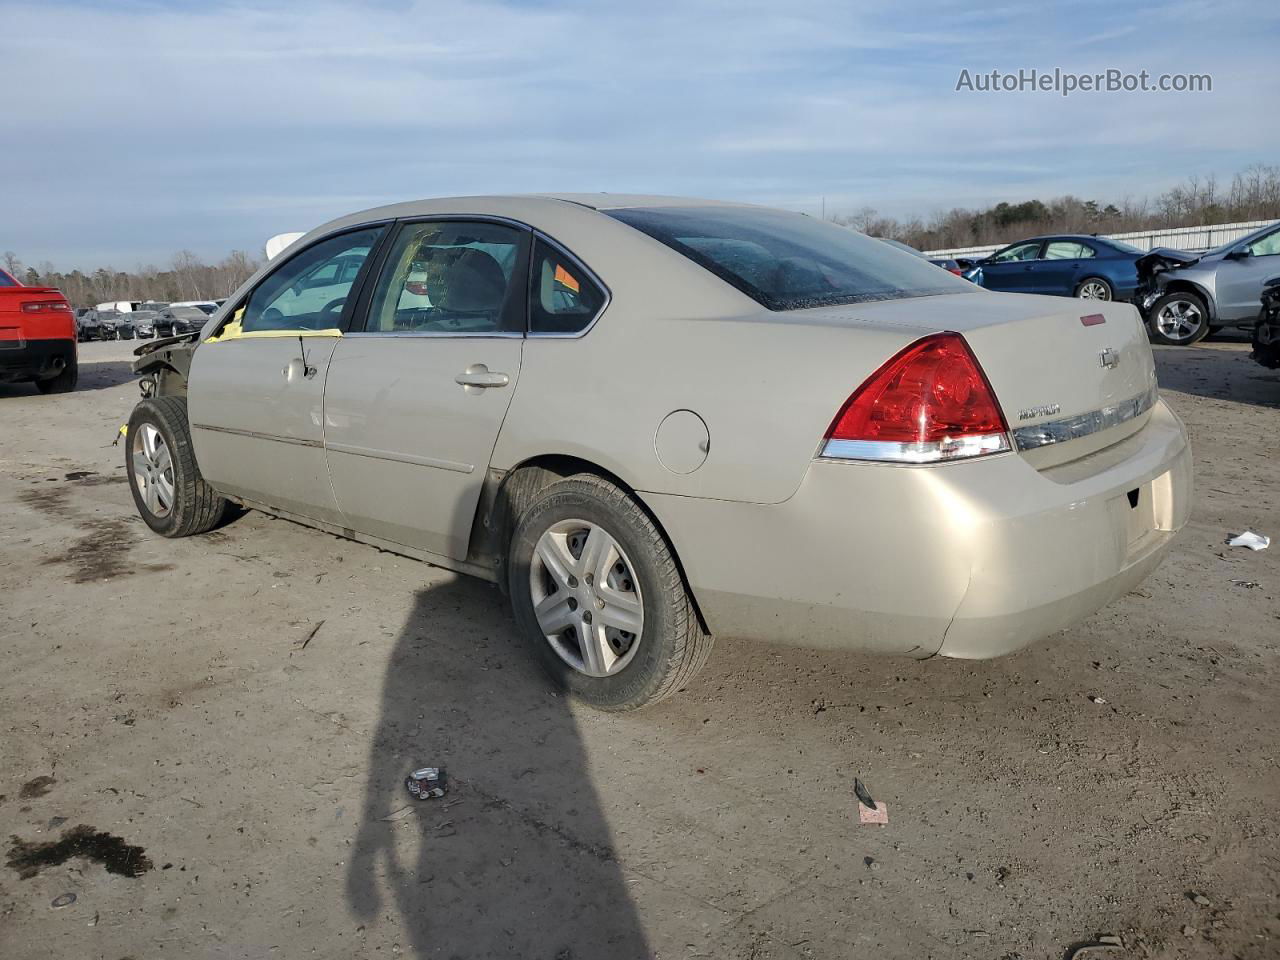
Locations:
(63, 900)
(868, 810)
(1199, 898)
(1247, 584)
(426, 783)
(311, 635)
(1097, 700)
(1254, 541)
(1107, 941)
(863, 794)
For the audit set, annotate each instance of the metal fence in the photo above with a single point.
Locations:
(1192, 239)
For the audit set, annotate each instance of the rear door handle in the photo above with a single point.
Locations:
(479, 377)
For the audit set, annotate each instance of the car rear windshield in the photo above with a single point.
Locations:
(787, 261)
(6, 280)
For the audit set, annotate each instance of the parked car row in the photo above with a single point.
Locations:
(130, 319)
(1183, 297)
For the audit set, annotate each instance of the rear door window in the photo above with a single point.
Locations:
(451, 277)
(1067, 250)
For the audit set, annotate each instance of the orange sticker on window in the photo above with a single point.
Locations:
(565, 279)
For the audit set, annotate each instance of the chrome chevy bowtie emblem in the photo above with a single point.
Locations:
(1108, 358)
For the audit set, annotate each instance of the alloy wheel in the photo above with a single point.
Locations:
(586, 597)
(1179, 319)
(1094, 290)
(152, 469)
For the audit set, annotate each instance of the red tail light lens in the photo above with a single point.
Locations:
(45, 306)
(930, 403)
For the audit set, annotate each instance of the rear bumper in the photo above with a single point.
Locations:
(34, 359)
(967, 559)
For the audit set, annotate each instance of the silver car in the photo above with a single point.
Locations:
(652, 421)
(1185, 297)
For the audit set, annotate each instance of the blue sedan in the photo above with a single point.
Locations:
(1066, 266)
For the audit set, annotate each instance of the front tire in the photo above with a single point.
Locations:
(597, 591)
(168, 490)
(1095, 288)
(1179, 319)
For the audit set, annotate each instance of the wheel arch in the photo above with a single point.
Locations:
(1182, 285)
(506, 493)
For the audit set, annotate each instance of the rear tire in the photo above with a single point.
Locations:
(64, 382)
(1179, 319)
(1094, 288)
(670, 646)
(168, 489)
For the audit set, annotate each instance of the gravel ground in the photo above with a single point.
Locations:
(1119, 779)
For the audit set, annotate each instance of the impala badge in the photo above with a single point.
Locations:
(1109, 358)
(1046, 410)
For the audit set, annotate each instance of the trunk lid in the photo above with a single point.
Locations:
(1071, 376)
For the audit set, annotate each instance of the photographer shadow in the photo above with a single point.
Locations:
(516, 859)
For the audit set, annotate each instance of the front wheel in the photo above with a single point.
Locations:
(168, 490)
(1095, 288)
(598, 593)
(1179, 319)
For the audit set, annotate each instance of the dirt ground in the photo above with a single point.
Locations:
(1119, 779)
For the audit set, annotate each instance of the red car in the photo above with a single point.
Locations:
(37, 337)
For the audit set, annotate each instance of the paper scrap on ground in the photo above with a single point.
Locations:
(879, 815)
(1254, 541)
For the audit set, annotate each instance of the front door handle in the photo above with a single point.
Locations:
(478, 377)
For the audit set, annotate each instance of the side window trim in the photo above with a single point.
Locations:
(590, 274)
(368, 287)
(361, 281)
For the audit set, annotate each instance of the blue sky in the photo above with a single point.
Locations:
(133, 129)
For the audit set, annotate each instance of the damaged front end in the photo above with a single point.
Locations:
(1150, 268)
(1266, 335)
(163, 365)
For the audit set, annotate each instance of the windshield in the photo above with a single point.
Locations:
(188, 313)
(787, 261)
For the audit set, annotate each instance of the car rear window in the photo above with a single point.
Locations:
(6, 280)
(787, 261)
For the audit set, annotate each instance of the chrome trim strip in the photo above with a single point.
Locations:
(942, 451)
(1084, 424)
(431, 335)
(254, 435)
(376, 454)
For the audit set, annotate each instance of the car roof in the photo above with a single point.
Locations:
(529, 206)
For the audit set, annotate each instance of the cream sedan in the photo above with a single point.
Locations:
(653, 421)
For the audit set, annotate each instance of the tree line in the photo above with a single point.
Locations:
(187, 277)
(1253, 194)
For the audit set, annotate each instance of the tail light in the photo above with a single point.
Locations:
(46, 306)
(928, 404)
(956, 270)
